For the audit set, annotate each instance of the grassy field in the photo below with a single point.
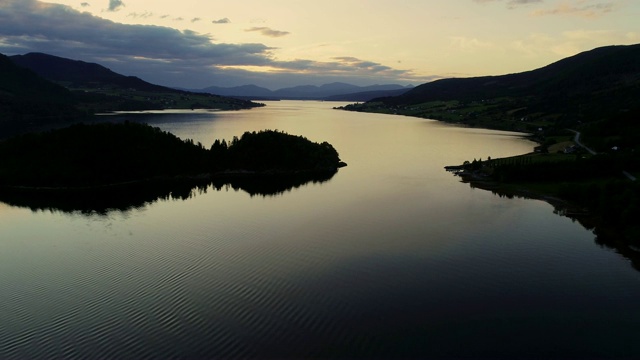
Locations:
(500, 113)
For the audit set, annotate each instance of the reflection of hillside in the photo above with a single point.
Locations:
(605, 236)
(136, 196)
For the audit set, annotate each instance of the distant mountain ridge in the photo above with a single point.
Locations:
(336, 90)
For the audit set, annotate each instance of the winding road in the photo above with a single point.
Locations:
(576, 140)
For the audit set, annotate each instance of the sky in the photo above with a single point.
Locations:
(280, 43)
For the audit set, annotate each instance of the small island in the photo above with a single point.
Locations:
(110, 154)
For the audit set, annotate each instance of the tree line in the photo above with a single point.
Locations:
(88, 155)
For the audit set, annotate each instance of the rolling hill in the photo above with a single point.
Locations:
(599, 70)
(80, 74)
(98, 89)
(585, 88)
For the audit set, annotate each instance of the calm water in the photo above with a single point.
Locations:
(392, 256)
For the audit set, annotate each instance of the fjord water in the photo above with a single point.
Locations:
(392, 256)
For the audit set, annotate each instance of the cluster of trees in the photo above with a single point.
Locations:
(273, 150)
(90, 155)
(602, 166)
(95, 154)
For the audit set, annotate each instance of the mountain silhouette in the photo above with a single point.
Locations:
(336, 91)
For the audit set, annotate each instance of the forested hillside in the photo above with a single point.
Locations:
(589, 87)
(26, 97)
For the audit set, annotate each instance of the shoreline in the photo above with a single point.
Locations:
(563, 206)
(606, 234)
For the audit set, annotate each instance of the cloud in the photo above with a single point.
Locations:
(511, 4)
(581, 8)
(115, 5)
(344, 69)
(164, 55)
(85, 4)
(344, 65)
(222, 21)
(194, 20)
(268, 32)
(466, 44)
(143, 15)
(36, 26)
(341, 64)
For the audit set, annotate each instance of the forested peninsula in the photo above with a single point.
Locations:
(107, 154)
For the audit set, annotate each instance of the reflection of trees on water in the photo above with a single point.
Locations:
(136, 196)
(608, 237)
(273, 185)
(628, 251)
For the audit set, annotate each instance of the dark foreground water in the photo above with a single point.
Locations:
(390, 257)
